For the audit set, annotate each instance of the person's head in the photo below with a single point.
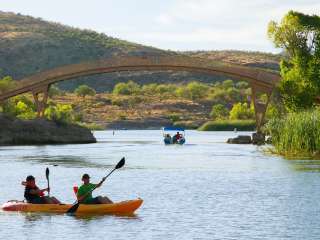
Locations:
(31, 181)
(85, 178)
(178, 133)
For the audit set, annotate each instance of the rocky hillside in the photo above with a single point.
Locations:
(29, 45)
(249, 59)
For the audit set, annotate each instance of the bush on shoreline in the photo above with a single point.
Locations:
(296, 134)
(229, 125)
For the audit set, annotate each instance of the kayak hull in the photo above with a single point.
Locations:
(120, 208)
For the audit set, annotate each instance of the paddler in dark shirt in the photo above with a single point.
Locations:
(35, 195)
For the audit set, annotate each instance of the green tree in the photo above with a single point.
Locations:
(299, 36)
(149, 89)
(219, 111)
(24, 111)
(129, 88)
(193, 91)
(20, 106)
(169, 89)
(6, 83)
(234, 95)
(61, 113)
(242, 85)
(55, 91)
(227, 84)
(241, 111)
(84, 90)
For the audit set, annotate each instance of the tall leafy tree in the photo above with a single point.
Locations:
(299, 36)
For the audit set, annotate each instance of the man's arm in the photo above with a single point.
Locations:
(100, 183)
(38, 191)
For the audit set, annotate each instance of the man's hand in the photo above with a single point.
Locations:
(45, 190)
(100, 183)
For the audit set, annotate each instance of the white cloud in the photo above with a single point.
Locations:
(172, 24)
(229, 23)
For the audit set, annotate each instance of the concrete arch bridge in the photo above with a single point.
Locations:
(261, 81)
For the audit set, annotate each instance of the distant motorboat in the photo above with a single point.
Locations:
(178, 138)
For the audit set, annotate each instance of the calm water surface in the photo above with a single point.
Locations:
(205, 189)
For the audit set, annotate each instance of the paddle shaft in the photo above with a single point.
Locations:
(47, 176)
(48, 188)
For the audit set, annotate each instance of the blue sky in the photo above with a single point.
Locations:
(171, 24)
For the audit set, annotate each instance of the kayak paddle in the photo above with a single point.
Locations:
(75, 206)
(47, 176)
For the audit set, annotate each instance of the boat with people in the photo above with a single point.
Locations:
(177, 138)
(120, 208)
(86, 204)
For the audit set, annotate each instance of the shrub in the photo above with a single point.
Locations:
(167, 89)
(229, 125)
(55, 91)
(227, 84)
(84, 90)
(149, 89)
(234, 95)
(6, 83)
(193, 91)
(241, 111)
(296, 134)
(61, 113)
(20, 106)
(242, 85)
(219, 111)
(129, 88)
(174, 117)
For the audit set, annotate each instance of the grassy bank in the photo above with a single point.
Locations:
(229, 125)
(92, 126)
(298, 134)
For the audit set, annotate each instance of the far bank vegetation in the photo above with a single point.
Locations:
(224, 105)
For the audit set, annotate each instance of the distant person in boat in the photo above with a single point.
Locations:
(84, 193)
(176, 137)
(35, 195)
(167, 138)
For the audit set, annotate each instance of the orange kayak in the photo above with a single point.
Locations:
(120, 208)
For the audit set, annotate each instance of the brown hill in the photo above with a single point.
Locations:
(29, 45)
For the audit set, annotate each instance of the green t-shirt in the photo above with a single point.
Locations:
(84, 189)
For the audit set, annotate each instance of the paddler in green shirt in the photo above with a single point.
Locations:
(84, 193)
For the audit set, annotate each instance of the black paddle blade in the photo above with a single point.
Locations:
(120, 163)
(47, 173)
(73, 208)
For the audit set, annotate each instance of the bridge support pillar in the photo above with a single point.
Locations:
(40, 96)
(261, 98)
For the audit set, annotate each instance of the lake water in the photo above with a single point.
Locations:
(205, 189)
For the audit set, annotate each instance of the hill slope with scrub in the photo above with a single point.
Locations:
(29, 45)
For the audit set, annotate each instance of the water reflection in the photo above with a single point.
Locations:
(66, 161)
(308, 165)
(88, 217)
(32, 218)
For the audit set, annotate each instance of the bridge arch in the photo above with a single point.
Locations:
(261, 81)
